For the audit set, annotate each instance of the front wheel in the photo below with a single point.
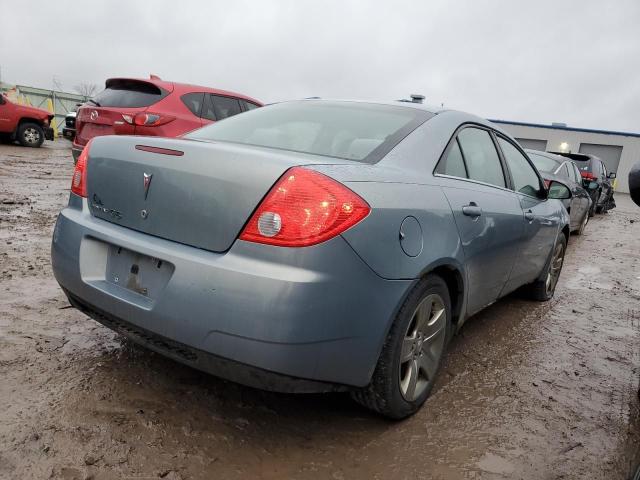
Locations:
(30, 135)
(544, 288)
(412, 353)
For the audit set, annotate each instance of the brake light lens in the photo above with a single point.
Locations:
(588, 176)
(304, 208)
(79, 179)
(149, 119)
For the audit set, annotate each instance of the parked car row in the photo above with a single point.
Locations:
(304, 246)
(587, 178)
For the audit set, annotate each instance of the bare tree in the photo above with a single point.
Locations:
(86, 89)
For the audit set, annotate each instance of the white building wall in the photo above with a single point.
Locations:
(555, 137)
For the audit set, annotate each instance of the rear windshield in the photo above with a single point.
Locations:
(584, 165)
(362, 132)
(542, 163)
(129, 93)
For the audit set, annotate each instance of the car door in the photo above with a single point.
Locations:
(487, 214)
(8, 119)
(573, 204)
(539, 216)
(606, 182)
(578, 191)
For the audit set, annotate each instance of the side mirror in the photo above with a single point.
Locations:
(634, 183)
(558, 191)
(611, 175)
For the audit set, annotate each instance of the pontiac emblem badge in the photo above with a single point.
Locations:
(147, 183)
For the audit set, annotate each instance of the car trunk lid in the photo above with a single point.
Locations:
(197, 193)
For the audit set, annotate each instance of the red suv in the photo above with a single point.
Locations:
(131, 106)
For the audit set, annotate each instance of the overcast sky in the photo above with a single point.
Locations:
(539, 61)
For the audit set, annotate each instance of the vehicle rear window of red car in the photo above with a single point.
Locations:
(129, 94)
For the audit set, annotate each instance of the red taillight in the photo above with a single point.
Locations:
(588, 176)
(79, 179)
(304, 208)
(150, 119)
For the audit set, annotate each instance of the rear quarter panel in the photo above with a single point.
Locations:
(377, 238)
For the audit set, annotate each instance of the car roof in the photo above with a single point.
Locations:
(181, 88)
(398, 103)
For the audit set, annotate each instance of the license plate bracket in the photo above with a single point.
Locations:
(137, 272)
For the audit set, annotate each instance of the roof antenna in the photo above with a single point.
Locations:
(154, 77)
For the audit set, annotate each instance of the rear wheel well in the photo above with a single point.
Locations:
(453, 278)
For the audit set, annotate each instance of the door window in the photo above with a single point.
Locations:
(525, 178)
(481, 157)
(248, 105)
(225, 106)
(453, 163)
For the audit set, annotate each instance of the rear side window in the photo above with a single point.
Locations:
(481, 157)
(129, 94)
(564, 172)
(248, 105)
(453, 163)
(584, 166)
(576, 172)
(542, 163)
(193, 101)
(225, 106)
(525, 178)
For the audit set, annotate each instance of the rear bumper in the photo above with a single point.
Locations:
(69, 133)
(310, 319)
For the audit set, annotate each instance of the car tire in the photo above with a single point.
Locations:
(544, 287)
(583, 224)
(30, 135)
(412, 353)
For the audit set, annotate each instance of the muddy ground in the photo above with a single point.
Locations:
(529, 390)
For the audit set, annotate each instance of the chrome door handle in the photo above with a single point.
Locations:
(529, 215)
(472, 210)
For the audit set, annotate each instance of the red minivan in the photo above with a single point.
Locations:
(132, 106)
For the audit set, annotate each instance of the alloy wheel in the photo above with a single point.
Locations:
(422, 347)
(554, 268)
(31, 135)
